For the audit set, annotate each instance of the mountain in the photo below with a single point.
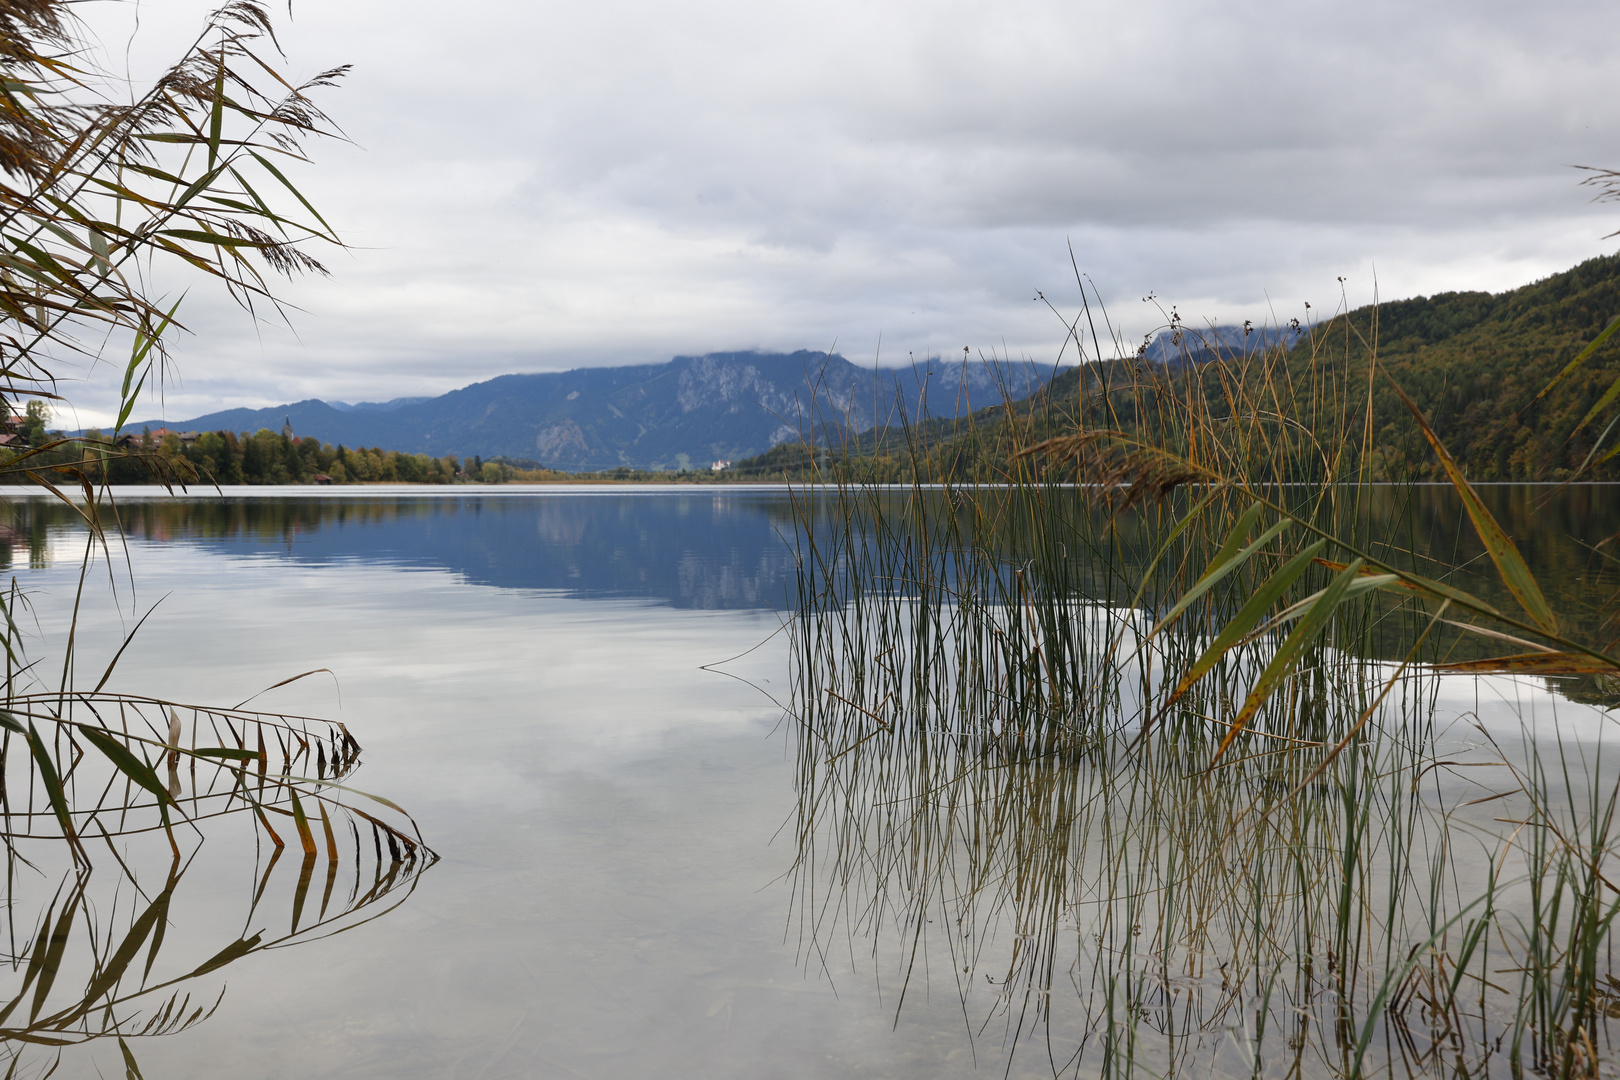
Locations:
(1200, 345)
(1476, 362)
(376, 406)
(686, 413)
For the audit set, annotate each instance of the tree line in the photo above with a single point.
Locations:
(227, 457)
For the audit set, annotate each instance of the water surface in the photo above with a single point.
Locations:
(578, 696)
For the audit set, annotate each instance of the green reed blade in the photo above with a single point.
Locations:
(1510, 565)
(1602, 403)
(160, 927)
(51, 963)
(1246, 619)
(1219, 568)
(234, 951)
(53, 787)
(132, 1071)
(305, 836)
(114, 971)
(1581, 357)
(1282, 662)
(36, 959)
(127, 763)
(1235, 537)
(306, 873)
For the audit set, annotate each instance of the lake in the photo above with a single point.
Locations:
(578, 695)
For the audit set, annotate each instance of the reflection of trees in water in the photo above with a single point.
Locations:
(708, 550)
(24, 540)
(265, 520)
(1418, 527)
(1560, 533)
(559, 523)
(1600, 690)
(112, 919)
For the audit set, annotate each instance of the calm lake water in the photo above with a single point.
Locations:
(575, 693)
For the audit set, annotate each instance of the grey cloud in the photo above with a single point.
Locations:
(549, 185)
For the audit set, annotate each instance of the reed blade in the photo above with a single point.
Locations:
(1510, 565)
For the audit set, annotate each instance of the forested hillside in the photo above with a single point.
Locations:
(1473, 362)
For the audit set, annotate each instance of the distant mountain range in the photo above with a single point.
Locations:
(687, 413)
(377, 406)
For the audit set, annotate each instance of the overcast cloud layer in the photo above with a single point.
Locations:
(539, 186)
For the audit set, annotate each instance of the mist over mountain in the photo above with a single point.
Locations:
(686, 413)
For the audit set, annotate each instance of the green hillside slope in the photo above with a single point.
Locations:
(1472, 361)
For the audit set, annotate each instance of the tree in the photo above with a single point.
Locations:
(1607, 183)
(33, 425)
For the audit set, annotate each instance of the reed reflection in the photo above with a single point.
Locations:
(114, 917)
(1009, 789)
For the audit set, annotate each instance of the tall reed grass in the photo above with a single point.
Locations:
(1134, 726)
(102, 186)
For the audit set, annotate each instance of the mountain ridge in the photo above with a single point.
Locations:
(684, 413)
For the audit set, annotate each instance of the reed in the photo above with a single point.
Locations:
(92, 954)
(100, 191)
(135, 787)
(1134, 726)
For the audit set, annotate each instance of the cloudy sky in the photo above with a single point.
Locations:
(542, 185)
